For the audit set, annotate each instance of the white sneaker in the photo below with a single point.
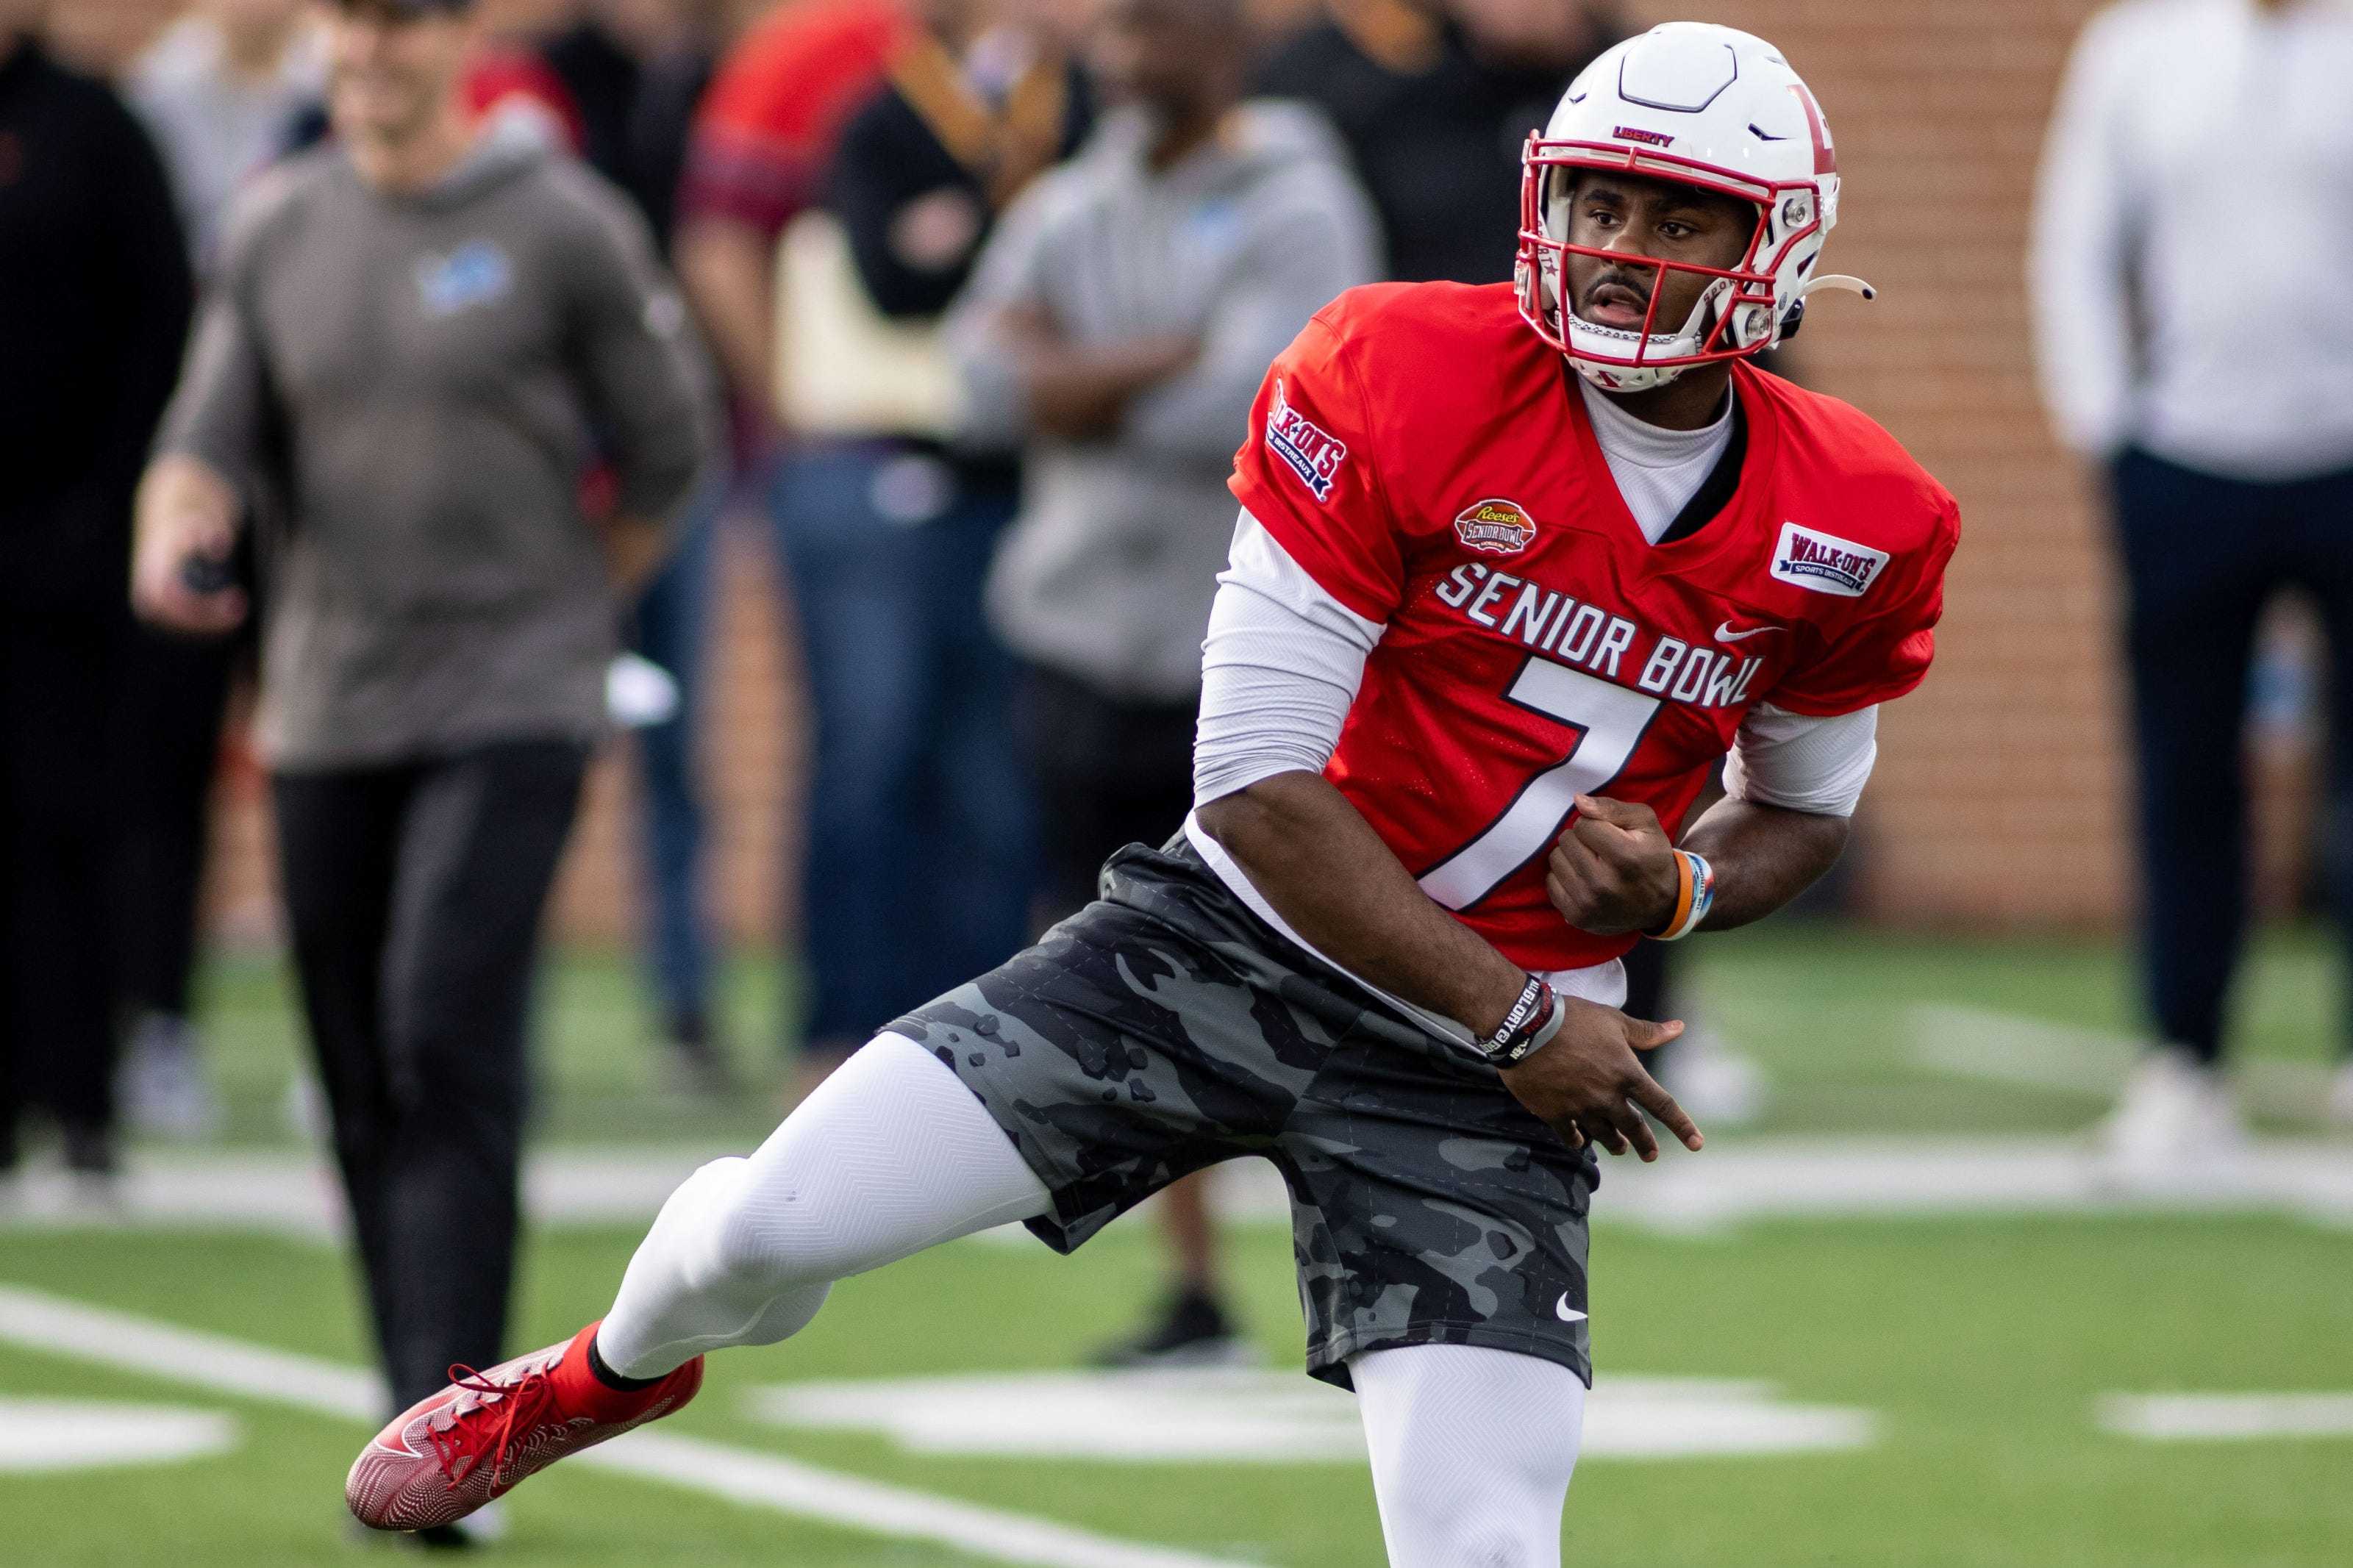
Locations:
(161, 1082)
(2176, 1125)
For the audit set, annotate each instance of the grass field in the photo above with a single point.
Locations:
(1828, 1009)
(1980, 1345)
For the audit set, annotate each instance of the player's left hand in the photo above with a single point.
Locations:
(1613, 868)
(1588, 1084)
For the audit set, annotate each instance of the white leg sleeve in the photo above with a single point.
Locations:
(1472, 1453)
(890, 1155)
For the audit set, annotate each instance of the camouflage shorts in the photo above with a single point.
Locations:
(1166, 1028)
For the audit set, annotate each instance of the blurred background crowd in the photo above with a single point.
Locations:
(895, 547)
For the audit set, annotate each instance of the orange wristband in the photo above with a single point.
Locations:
(1683, 892)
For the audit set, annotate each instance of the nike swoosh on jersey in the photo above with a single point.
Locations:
(1724, 632)
(1564, 1312)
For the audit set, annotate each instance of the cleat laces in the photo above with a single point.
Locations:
(509, 1426)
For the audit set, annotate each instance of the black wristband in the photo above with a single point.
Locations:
(1531, 1023)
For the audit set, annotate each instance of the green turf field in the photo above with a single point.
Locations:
(1979, 1345)
(1829, 1010)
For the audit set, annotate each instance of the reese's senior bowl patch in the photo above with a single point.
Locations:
(1825, 562)
(1497, 526)
(1313, 453)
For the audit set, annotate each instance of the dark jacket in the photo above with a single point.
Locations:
(1438, 150)
(635, 115)
(889, 157)
(95, 295)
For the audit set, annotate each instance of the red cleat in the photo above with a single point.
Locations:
(477, 1438)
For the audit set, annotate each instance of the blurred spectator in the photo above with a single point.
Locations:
(1434, 99)
(921, 834)
(1117, 329)
(226, 90)
(629, 75)
(413, 336)
(763, 140)
(2206, 360)
(94, 301)
(911, 870)
(636, 70)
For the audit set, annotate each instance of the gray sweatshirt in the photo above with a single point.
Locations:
(1109, 570)
(405, 390)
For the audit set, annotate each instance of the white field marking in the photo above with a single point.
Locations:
(53, 1324)
(294, 1192)
(1235, 1415)
(1736, 1179)
(1994, 1046)
(2225, 1417)
(83, 1434)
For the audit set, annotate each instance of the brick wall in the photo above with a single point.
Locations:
(1999, 793)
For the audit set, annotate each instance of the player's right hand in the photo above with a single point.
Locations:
(1588, 1083)
(187, 512)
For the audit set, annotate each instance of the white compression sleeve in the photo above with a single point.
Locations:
(1473, 1448)
(890, 1155)
(1805, 763)
(1279, 670)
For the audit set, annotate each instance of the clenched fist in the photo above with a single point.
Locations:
(1613, 870)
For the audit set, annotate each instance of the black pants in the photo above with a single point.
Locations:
(57, 669)
(2202, 555)
(415, 893)
(1109, 773)
(174, 691)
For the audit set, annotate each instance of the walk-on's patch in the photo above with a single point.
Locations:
(2225, 1417)
(1239, 1415)
(41, 1321)
(85, 1434)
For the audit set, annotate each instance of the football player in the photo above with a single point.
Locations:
(1516, 567)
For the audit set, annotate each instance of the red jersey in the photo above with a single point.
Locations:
(1421, 454)
(764, 133)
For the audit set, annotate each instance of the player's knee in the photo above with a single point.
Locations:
(1473, 1526)
(747, 1254)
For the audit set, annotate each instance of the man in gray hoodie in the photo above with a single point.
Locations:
(417, 343)
(1116, 330)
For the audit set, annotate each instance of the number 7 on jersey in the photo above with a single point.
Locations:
(1610, 721)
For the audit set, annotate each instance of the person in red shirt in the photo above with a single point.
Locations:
(1517, 566)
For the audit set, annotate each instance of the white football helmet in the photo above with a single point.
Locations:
(1701, 105)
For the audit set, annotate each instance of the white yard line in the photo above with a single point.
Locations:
(2225, 1417)
(288, 1193)
(294, 1192)
(41, 1321)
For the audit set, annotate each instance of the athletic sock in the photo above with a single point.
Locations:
(588, 1387)
(613, 1380)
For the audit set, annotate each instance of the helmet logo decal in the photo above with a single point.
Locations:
(1496, 526)
(1636, 133)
